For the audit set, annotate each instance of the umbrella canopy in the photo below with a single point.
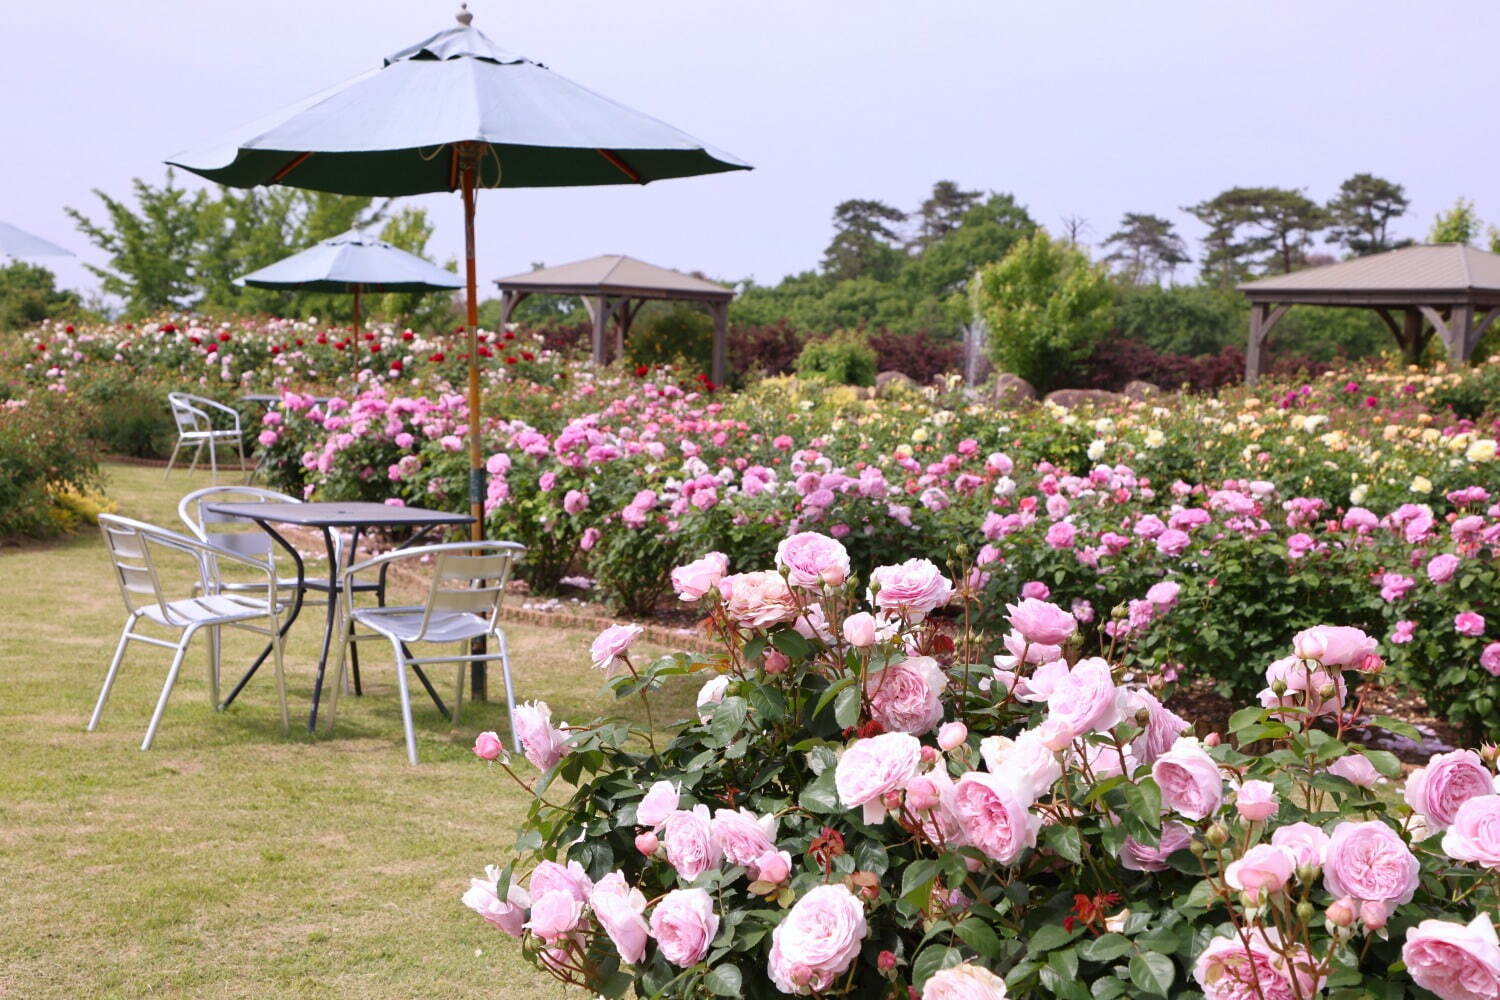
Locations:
(19, 243)
(349, 260)
(456, 112)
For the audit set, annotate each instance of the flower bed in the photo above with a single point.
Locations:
(865, 806)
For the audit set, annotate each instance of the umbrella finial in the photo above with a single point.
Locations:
(463, 16)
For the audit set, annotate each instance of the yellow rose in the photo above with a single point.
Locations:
(1482, 450)
(1420, 484)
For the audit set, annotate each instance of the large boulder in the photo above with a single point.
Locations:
(1069, 398)
(1011, 389)
(1138, 389)
(893, 383)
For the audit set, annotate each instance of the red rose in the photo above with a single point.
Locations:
(436, 357)
(68, 328)
(528, 356)
(641, 371)
(299, 342)
(396, 365)
(407, 335)
(224, 337)
(212, 348)
(510, 359)
(374, 348)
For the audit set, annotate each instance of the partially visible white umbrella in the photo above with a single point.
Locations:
(19, 243)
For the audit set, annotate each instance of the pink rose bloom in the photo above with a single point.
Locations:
(874, 766)
(1025, 762)
(1356, 769)
(905, 697)
(620, 910)
(1475, 832)
(1264, 868)
(1189, 779)
(1172, 542)
(1036, 589)
(1087, 700)
(1163, 727)
(1307, 844)
(1041, 622)
(743, 835)
(700, 576)
(913, 589)
(612, 643)
(1228, 969)
(691, 846)
(1256, 801)
(1490, 659)
(1468, 623)
(818, 940)
(1447, 782)
(1342, 645)
(546, 481)
(711, 694)
(1369, 862)
(590, 538)
(964, 982)
(859, 630)
(1139, 857)
(995, 815)
(483, 899)
(487, 746)
(684, 924)
(549, 876)
(772, 866)
(1454, 961)
(755, 600)
(659, 802)
(1405, 630)
(575, 502)
(1164, 594)
(813, 561)
(554, 915)
(1061, 535)
(542, 745)
(1021, 651)
(1440, 569)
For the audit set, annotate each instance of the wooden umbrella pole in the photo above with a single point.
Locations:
(468, 161)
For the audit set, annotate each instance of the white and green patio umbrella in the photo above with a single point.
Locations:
(16, 242)
(355, 263)
(456, 113)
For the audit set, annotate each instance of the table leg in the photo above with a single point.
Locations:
(290, 618)
(354, 646)
(333, 598)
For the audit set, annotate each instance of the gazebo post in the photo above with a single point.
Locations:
(1412, 342)
(1263, 316)
(719, 360)
(598, 312)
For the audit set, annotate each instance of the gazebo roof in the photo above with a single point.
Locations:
(618, 275)
(1427, 272)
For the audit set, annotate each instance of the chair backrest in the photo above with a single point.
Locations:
(469, 577)
(225, 531)
(132, 546)
(187, 416)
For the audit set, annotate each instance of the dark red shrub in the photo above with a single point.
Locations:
(918, 355)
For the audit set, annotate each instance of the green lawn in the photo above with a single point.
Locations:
(229, 860)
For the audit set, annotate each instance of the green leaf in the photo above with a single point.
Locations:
(724, 981)
(769, 703)
(1105, 948)
(1245, 718)
(933, 958)
(1383, 761)
(978, 935)
(792, 644)
(846, 707)
(1396, 726)
(916, 881)
(1153, 973)
(1065, 841)
(1050, 937)
(727, 719)
(821, 796)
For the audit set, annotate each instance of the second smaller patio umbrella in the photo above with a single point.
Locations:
(353, 262)
(16, 242)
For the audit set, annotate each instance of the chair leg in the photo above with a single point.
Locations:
(214, 638)
(345, 641)
(239, 444)
(510, 693)
(411, 739)
(286, 718)
(168, 474)
(458, 690)
(197, 454)
(109, 677)
(166, 689)
(213, 459)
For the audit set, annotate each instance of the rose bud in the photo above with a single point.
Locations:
(886, 962)
(953, 734)
(487, 746)
(891, 800)
(922, 794)
(647, 843)
(1218, 835)
(1341, 912)
(776, 662)
(773, 866)
(1374, 914)
(859, 629)
(1304, 911)
(929, 755)
(1212, 740)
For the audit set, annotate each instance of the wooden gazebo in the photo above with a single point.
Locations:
(613, 288)
(1444, 288)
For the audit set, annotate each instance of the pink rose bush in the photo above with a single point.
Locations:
(886, 815)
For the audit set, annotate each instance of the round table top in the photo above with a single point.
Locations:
(338, 514)
(275, 397)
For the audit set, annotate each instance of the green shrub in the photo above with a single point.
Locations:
(845, 357)
(127, 416)
(1477, 394)
(679, 333)
(43, 455)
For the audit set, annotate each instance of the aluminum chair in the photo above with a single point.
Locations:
(195, 426)
(462, 603)
(134, 548)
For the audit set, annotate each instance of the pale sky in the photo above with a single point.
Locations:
(1078, 108)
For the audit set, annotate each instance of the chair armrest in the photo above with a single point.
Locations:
(426, 550)
(225, 409)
